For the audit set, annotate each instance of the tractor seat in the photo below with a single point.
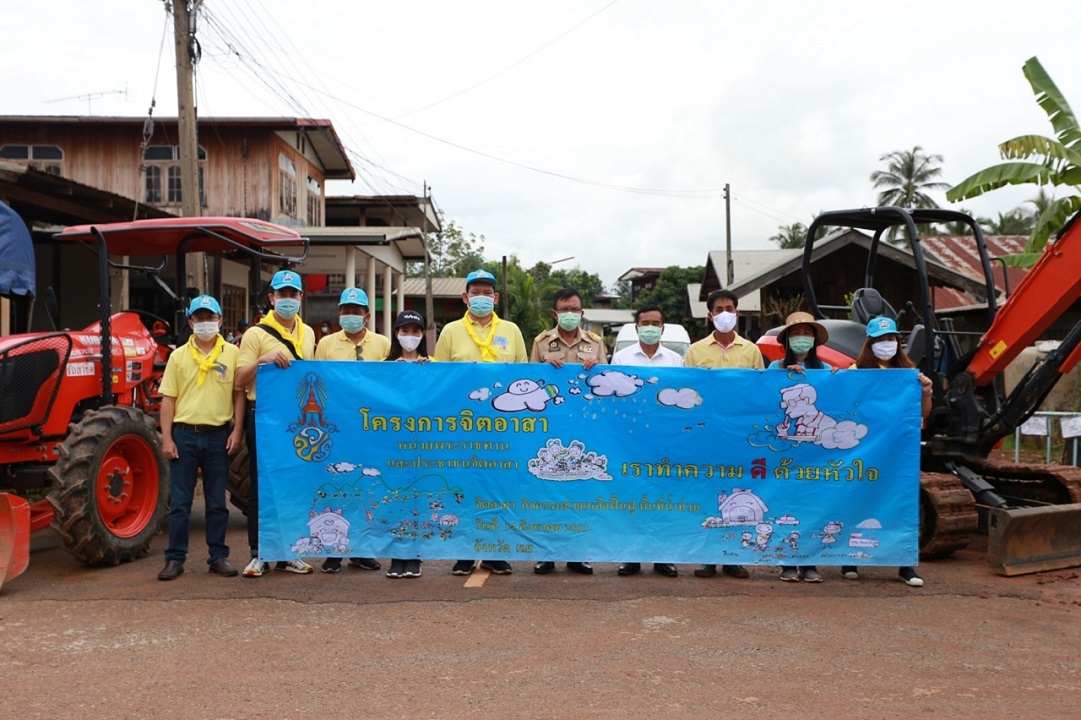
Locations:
(867, 303)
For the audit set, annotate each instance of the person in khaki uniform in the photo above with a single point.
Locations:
(279, 338)
(353, 342)
(567, 343)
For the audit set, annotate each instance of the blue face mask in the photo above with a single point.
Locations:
(352, 323)
(481, 305)
(287, 307)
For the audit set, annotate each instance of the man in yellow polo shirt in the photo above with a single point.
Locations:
(353, 342)
(480, 336)
(279, 338)
(723, 348)
(198, 407)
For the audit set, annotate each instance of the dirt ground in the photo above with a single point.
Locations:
(117, 643)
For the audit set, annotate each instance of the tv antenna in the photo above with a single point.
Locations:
(89, 97)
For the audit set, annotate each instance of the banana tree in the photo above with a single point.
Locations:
(1048, 161)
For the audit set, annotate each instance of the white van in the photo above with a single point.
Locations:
(674, 337)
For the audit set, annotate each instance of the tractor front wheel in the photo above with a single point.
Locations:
(110, 486)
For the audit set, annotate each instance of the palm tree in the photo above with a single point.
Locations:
(1058, 163)
(909, 175)
(1015, 222)
(790, 236)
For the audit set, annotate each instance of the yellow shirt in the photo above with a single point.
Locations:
(210, 403)
(338, 346)
(256, 343)
(550, 345)
(455, 345)
(707, 353)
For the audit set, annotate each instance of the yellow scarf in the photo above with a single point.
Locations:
(272, 321)
(487, 352)
(206, 364)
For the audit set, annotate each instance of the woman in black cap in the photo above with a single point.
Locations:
(407, 344)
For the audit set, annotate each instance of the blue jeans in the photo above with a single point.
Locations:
(206, 451)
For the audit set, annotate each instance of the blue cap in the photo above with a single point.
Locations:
(353, 296)
(480, 276)
(880, 326)
(204, 302)
(284, 279)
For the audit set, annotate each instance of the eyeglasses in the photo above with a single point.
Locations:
(360, 352)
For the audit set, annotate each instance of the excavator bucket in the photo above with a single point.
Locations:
(14, 536)
(1033, 539)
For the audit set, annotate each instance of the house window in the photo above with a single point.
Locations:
(315, 215)
(157, 158)
(234, 306)
(287, 186)
(47, 158)
(153, 184)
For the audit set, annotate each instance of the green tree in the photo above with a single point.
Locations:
(523, 302)
(670, 292)
(790, 236)
(453, 253)
(908, 177)
(588, 284)
(954, 228)
(1057, 163)
(1015, 222)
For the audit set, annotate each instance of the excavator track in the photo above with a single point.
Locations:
(1051, 484)
(948, 516)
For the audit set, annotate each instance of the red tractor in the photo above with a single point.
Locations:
(1032, 513)
(78, 409)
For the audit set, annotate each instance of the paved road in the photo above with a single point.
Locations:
(117, 643)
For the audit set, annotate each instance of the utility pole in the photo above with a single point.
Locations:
(186, 49)
(728, 235)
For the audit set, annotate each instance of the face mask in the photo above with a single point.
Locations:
(410, 342)
(885, 349)
(326, 329)
(724, 321)
(352, 323)
(481, 305)
(205, 330)
(801, 344)
(569, 320)
(287, 307)
(649, 334)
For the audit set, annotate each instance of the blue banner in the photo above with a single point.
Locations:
(618, 464)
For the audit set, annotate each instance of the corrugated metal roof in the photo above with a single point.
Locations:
(441, 287)
(958, 252)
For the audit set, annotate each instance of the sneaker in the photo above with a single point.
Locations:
(412, 569)
(295, 566)
(849, 572)
(811, 574)
(332, 565)
(397, 567)
(496, 567)
(910, 577)
(790, 574)
(462, 567)
(705, 571)
(256, 568)
(365, 563)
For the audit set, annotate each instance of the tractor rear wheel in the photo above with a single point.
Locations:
(239, 479)
(110, 486)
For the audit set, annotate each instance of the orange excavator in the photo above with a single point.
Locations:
(1031, 512)
(78, 409)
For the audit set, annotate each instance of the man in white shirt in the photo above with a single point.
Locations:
(648, 352)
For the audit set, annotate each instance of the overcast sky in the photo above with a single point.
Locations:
(595, 129)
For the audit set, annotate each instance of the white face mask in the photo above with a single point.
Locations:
(410, 342)
(724, 321)
(884, 349)
(205, 330)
